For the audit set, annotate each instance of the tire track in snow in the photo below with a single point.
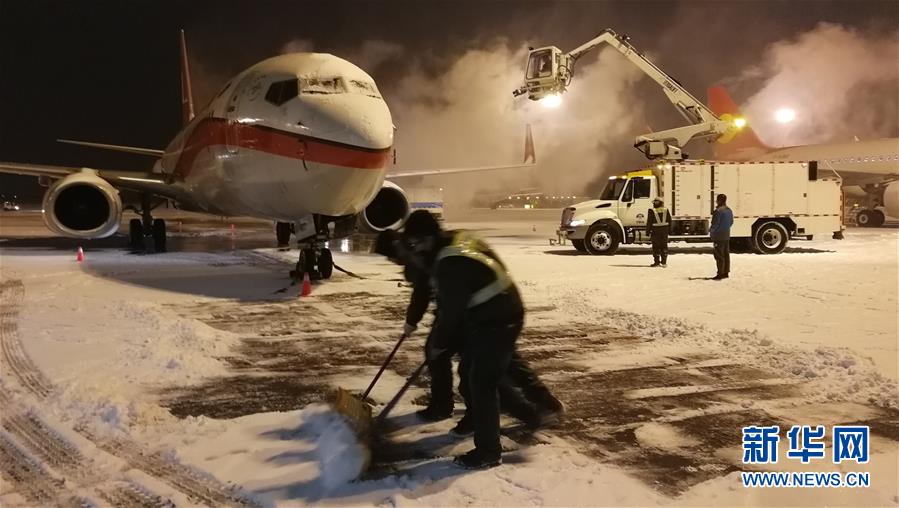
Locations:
(47, 445)
(29, 478)
(17, 361)
(50, 447)
(194, 484)
(129, 495)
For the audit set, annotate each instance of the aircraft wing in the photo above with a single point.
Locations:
(139, 181)
(528, 154)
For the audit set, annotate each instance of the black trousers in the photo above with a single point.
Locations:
(521, 392)
(660, 245)
(486, 358)
(441, 371)
(722, 256)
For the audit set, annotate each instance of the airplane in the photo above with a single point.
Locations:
(872, 165)
(302, 139)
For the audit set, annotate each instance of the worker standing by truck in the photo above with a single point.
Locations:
(719, 231)
(658, 223)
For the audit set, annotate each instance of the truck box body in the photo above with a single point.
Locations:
(753, 190)
(772, 202)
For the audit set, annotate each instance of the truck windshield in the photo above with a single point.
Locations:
(613, 189)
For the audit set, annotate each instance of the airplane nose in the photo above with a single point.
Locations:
(354, 120)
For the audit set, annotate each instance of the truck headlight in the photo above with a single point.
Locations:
(577, 222)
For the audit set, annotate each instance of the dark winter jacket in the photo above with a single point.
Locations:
(421, 294)
(722, 220)
(458, 278)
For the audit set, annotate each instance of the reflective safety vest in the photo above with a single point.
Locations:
(661, 213)
(468, 245)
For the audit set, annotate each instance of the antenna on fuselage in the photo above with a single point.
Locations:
(187, 97)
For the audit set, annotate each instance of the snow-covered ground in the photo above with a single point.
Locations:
(197, 377)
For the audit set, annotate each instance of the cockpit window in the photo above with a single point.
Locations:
(282, 91)
(322, 85)
(365, 88)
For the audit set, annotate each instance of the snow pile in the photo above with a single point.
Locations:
(183, 348)
(832, 373)
(340, 456)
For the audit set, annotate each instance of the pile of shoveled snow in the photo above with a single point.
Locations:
(183, 349)
(835, 373)
(341, 457)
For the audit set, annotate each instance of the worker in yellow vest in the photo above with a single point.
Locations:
(658, 224)
(480, 314)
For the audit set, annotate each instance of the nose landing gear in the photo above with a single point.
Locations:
(315, 259)
(147, 234)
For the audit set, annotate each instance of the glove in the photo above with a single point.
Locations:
(408, 329)
(434, 353)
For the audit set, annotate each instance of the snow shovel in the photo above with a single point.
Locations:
(355, 410)
(363, 425)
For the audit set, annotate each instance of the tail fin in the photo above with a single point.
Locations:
(529, 145)
(745, 144)
(187, 98)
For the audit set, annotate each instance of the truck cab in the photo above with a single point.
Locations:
(618, 216)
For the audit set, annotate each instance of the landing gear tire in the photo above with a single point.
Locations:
(601, 239)
(310, 263)
(282, 232)
(865, 218)
(325, 263)
(870, 218)
(159, 238)
(579, 245)
(135, 234)
(770, 238)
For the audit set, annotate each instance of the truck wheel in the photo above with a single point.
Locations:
(770, 238)
(601, 240)
(579, 245)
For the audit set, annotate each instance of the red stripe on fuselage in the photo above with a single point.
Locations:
(212, 131)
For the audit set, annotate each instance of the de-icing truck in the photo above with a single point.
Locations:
(772, 203)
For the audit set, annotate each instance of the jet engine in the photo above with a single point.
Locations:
(82, 205)
(388, 210)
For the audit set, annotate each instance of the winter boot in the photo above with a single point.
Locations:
(464, 427)
(477, 459)
(434, 414)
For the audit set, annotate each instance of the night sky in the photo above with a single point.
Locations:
(108, 71)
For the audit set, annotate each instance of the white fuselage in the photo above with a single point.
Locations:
(297, 134)
(858, 163)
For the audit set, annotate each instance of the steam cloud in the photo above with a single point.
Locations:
(841, 82)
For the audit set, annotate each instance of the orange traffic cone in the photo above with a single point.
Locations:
(80, 256)
(307, 286)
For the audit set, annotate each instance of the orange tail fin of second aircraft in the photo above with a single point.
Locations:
(746, 143)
